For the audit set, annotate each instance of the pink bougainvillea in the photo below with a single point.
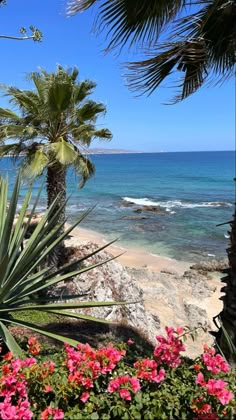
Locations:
(52, 413)
(147, 370)
(123, 385)
(168, 351)
(215, 363)
(84, 377)
(216, 387)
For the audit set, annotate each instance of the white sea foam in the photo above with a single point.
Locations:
(141, 201)
(170, 204)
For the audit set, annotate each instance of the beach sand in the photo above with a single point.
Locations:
(131, 257)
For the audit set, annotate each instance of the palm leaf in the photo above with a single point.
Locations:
(8, 114)
(35, 164)
(63, 152)
(188, 58)
(85, 168)
(131, 21)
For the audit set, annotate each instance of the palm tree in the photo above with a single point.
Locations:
(55, 122)
(195, 40)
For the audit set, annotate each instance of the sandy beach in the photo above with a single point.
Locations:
(131, 257)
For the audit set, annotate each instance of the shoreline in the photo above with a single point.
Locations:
(131, 257)
(169, 295)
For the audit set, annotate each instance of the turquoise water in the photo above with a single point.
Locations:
(194, 190)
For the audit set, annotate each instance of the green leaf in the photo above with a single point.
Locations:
(41, 330)
(10, 341)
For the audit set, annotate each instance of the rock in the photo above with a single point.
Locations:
(111, 282)
(196, 315)
(169, 271)
(150, 209)
(134, 217)
(33, 223)
(170, 299)
(201, 287)
(213, 265)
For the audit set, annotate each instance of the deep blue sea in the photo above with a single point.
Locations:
(195, 192)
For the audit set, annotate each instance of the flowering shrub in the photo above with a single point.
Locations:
(87, 383)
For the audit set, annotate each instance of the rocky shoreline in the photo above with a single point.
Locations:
(165, 297)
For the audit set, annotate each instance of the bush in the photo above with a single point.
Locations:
(85, 383)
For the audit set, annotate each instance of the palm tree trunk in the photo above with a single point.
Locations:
(56, 185)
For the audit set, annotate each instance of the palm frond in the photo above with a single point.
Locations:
(89, 111)
(103, 134)
(63, 152)
(34, 163)
(8, 114)
(131, 21)
(85, 168)
(187, 58)
(12, 149)
(82, 90)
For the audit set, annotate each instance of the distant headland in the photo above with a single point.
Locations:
(99, 151)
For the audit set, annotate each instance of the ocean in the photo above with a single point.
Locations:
(191, 193)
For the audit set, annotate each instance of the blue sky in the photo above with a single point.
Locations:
(205, 121)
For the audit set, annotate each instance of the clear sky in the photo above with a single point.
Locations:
(205, 121)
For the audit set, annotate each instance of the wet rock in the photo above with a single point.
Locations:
(134, 217)
(150, 209)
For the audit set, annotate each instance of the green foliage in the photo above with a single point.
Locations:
(23, 273)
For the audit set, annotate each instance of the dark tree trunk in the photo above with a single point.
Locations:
(56, 184)
(228, 313)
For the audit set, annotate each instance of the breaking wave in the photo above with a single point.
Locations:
(170, 204)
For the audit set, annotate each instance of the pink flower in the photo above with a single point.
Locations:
(147, 370)
(19, 412)
(160, 376)
(200, 379)
(129, 341)
(168, 351)
(125, 394)
(47, 388)
(225, 396)
(30, 361)
(54, 413)
(84, 397)
(214, 363)
(179, 330)
(135, 384)
(123, 385)
(216, 387)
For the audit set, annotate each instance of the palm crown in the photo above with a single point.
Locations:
(195, 38)
(52, 120)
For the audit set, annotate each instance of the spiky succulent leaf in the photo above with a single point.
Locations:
(20, 274)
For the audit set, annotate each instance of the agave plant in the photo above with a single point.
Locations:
(23, 273)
